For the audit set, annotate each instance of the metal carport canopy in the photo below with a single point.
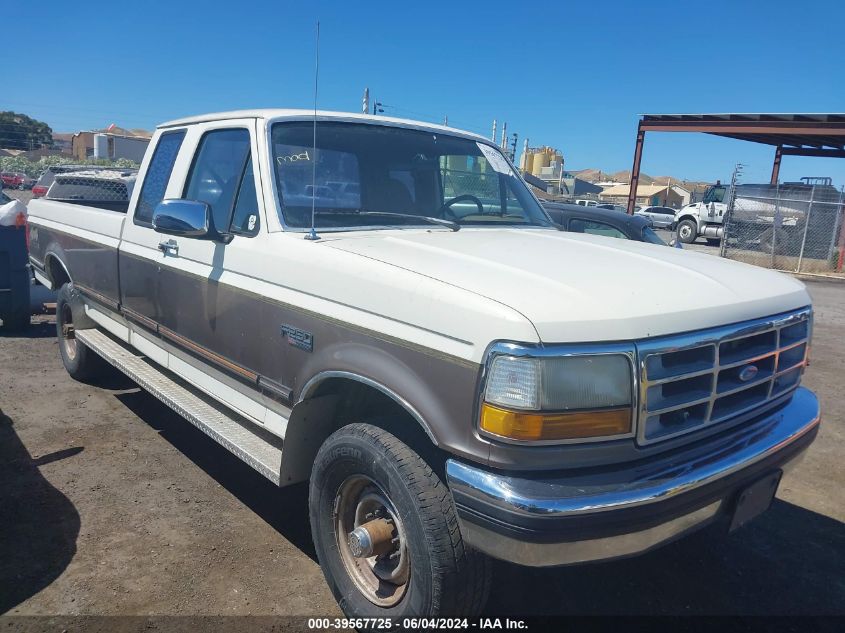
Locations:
(808, 134)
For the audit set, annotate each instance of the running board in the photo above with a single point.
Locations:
(238, 435)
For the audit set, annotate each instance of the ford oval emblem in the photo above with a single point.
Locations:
(748, 372)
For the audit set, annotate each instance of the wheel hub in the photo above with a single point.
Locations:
(68, 337)
(371, 541)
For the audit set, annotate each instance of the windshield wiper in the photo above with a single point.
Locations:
(409, 216)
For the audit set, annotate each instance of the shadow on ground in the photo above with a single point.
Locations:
(38, 329)
(38, 524)
(285, 509)
(789, 561)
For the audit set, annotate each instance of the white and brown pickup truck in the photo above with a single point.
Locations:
(385, 311)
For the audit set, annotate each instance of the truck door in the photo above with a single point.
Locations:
(207, 304)
(140, 256)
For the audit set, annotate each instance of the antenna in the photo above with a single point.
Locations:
(312, 235)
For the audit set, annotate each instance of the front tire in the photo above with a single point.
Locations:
(362, 476)
(687, 231)
(80, 362)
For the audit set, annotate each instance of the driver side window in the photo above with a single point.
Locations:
(215, 177)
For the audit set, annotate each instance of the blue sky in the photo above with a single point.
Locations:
(573, 75)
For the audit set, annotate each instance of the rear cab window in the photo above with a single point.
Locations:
(157, 176)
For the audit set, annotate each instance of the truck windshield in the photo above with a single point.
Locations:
(361, 175)
(715, 194)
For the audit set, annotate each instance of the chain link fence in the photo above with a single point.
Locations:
(793, 227)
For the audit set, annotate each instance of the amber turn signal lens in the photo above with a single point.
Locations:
(517, 425)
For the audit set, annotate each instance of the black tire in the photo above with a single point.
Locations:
(446, 578)
(687, 231)
(713, 241)
(80, 362)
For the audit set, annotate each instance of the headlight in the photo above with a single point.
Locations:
(558, 398)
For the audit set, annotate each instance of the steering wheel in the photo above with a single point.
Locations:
(447, 206)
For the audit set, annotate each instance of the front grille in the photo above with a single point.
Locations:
(705, 378)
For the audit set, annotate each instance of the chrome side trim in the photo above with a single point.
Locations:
(311, 386)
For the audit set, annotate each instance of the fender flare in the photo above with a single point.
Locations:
(55, 253)
(315, 381)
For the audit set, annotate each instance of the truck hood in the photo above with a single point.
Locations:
(580, 288)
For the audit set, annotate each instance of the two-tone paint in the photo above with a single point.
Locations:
(409, 312)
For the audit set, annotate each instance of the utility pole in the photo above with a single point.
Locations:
(504, 143)
(365, 104)
(513, 148)
(493, 138)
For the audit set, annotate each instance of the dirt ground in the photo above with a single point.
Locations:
(111, 504)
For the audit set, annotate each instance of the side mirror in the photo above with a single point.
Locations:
(184, 218)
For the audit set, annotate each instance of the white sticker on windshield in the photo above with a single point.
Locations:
(496, 160)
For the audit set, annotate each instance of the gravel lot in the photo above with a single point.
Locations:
(24, 195)
(111, 504)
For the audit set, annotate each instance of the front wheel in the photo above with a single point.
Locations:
(386, 533)
(687, 231)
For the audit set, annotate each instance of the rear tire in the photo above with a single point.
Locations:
(687, 231)
(441, 575)
(80, 362)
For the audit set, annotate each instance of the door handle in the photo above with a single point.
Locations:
(170, 247)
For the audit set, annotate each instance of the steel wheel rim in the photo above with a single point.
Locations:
(68, 338)
(685, 231)
(382, 579)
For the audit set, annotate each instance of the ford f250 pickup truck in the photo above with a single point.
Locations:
(382, 309)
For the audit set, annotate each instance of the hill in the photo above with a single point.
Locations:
(597, 175)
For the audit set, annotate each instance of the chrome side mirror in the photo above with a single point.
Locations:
(184, 218)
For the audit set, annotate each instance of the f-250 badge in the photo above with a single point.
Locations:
(298, 338)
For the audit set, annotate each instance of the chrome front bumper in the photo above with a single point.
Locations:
(604, 513)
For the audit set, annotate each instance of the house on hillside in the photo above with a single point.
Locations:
(647, 195)
(112, 142)
(63, 142)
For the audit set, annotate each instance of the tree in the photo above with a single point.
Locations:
(18, 131)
